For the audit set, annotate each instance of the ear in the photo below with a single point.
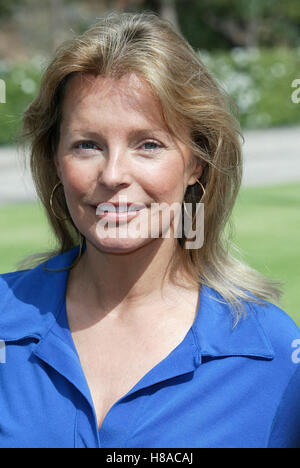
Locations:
(197, 168)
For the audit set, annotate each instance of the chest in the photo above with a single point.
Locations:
(115, 359)
(207, 408)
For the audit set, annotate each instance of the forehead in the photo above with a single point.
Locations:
(88, 95)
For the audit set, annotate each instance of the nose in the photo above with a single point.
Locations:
(114, 173)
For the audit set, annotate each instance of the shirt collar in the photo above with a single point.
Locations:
(214, 329)
(32, 299)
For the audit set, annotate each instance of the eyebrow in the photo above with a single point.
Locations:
(134, 133)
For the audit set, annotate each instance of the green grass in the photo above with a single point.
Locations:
(23, 232)
(267, 224)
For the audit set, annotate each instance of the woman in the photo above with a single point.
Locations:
(126, 340)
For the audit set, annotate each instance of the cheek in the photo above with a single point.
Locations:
(77, 178)
(166, 182)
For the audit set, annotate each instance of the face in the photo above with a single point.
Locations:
(115, 147)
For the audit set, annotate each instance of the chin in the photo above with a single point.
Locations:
(119, 246)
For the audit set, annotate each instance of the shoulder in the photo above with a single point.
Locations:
(23, 298)
(10, 280)
(268, 332)
(280, 329)
(262, 322)
(264, 331)
(15, 283)
(45, 273)
(22, 285)
(284, 336)
(285, 429)
(30, 299)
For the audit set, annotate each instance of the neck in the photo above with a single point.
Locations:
(118, 283)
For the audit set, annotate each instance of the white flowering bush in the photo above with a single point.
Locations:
(22, 83)
(260, 82)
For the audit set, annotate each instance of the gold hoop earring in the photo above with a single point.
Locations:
(203, 189)
(203, 195)
(51, 203)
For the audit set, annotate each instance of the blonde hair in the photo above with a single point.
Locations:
(190, 97)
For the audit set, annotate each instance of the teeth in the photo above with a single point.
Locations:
(105, 207)
(121, 208)
(108, 207)
(135, 208)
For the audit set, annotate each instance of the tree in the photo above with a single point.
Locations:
(227, 23)
(7, 9)
(165, 8)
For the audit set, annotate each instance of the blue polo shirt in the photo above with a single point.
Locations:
(220, 387)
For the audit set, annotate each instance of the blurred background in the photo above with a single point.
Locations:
(251, 46)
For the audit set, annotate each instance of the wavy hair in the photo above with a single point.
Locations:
(143, 43)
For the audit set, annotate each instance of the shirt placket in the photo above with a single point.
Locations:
(56, 353)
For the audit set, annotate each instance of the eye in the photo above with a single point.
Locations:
(153, 145)
(86, 145)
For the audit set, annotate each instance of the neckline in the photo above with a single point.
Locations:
(183, 358)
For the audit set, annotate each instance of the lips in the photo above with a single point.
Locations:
(119, 212)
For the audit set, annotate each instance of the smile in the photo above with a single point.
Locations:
(120, 212)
